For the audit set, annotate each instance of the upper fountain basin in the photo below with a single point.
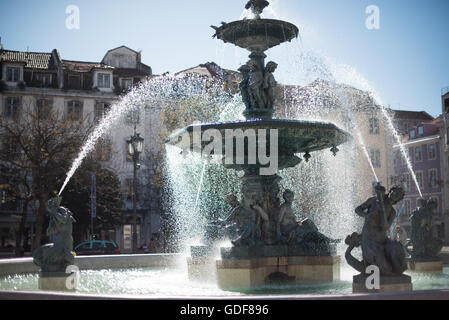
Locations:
(257, 35)
(294, 136)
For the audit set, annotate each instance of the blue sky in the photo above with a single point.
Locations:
(405, 62)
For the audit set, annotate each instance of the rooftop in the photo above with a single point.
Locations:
(34, 60)
(422, 115)
(82, 66)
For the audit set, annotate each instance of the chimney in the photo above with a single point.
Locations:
(1, 46)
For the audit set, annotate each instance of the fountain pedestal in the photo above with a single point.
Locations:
(402, 283)
(249, 267)
(58, 281)
(425, 265)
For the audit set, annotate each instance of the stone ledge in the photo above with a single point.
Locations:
(26, 265)
(249, 273)
(277, 261)
(275, 251)
(425, 266)
(442, 295)
(401, 283)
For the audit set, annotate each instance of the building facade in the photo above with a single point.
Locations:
(81, 90)
(444, 142)
(423, 146)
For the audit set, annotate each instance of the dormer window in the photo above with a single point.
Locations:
(420, 130)
(12, 74)
(127, 84)
(104, 80)
(43, 79)
(412, 134)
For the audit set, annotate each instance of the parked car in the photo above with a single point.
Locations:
(97, 248)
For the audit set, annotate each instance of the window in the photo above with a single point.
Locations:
(97, 245)
(395, 158)
(11, 109)
(104, 80)
(127, 84)
(433, 178)
(418, 154)
(420, 130)
(432, 152)
(406, 182)
(74, 81)
(133, 117)
(85, 246)
(101, 110)
(407, 207)
(436, 201)
(43, 78)
(43, 108)
(419, 177)
(129, 189)
(446, 105)
(104, 149)
(376, 158)
(12, 74)
(374, 126)
(412, 134)
(75, 110)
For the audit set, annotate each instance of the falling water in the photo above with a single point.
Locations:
(200, 186)
(402, 148)
(167, 90)
(117, 111)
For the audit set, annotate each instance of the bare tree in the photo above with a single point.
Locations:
(41, 141)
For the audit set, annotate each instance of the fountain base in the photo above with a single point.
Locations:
(426, 266)
(249, 273)
(401, 283)
(57, 281)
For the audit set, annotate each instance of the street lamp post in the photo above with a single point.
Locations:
(135, 148)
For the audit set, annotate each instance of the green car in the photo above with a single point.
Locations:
(97, 248)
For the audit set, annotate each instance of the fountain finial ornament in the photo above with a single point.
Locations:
(257, 7)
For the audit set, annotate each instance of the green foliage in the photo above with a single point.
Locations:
(77, 197)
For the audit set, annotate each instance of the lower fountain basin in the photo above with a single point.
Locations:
(171, 282)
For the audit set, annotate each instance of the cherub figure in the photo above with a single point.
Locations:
(244, 85)
(250, 223)
(269, 84)
(256, 80)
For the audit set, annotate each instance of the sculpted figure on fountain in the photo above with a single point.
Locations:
(425, 245)
(258, 87)
(290, 231)
(55, 257)
(377, 249)
(270, 84)
(252, 215)
(244, 85)
(256, 80)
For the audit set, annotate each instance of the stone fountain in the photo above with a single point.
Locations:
(268, 243)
